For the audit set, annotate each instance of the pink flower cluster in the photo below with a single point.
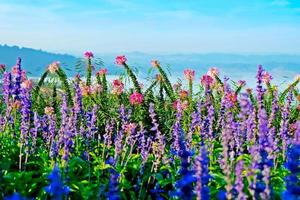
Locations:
(118, 87)
(155, 63)
(184, 104)
(183, 94)
(213, 72)
(189, 74)
(266, 77)
(102, 72)
(231, 97)
(136, 98)
(88, 55)
(53, 67)
(207, 80)
(27, 84)
(121, 60)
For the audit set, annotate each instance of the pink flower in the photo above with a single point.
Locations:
(53, 67)
(207, 80)
(15, 70)
(129, 127)
(16, 104)
(96, 88)
(231, 97)
(27, 84)
(183, 94)
(118, 87)
(88, 54)
(189, 74)
(85, 90)
(102, 72)
(242, 83)
(23, 75)
(266, 77)
(155, 63)
(120, 60)
(184, 104)
(177, 86)
(136, 98)
(213, 72)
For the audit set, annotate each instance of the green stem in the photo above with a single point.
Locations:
(133, 78)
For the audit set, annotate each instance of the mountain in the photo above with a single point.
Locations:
(34, 61)
(237, 66)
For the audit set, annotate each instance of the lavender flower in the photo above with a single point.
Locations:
(284, 123)
(35, 129)
(6, 87)
(25, 114)
(259, 87)
(17, 72)
(239, 185)
(68, 140)
(78, 99)
(109, 130)
(195, 124)
(176, 130)
(158, 144)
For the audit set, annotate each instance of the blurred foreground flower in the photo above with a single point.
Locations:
(56, 188)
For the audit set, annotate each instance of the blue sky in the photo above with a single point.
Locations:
(153, 26)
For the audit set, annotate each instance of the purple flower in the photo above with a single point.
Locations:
(259, 87)
(195, 124)
(239, 185)
(17, 72)
(68, 142)
(285, 112)
(176, 130)
(35, 129)
(6, 87)
(158, 144)
(109, 130)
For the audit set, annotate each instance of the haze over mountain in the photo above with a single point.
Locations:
(237, 66)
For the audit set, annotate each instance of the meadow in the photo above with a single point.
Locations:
(208, 138)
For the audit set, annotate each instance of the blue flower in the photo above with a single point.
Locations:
(292, 181)
(56, 188)
(15, 196)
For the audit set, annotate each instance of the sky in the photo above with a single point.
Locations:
(153, 26)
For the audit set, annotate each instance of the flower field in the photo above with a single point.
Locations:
(207, 138)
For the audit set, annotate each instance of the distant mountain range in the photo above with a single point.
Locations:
(238, 66)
